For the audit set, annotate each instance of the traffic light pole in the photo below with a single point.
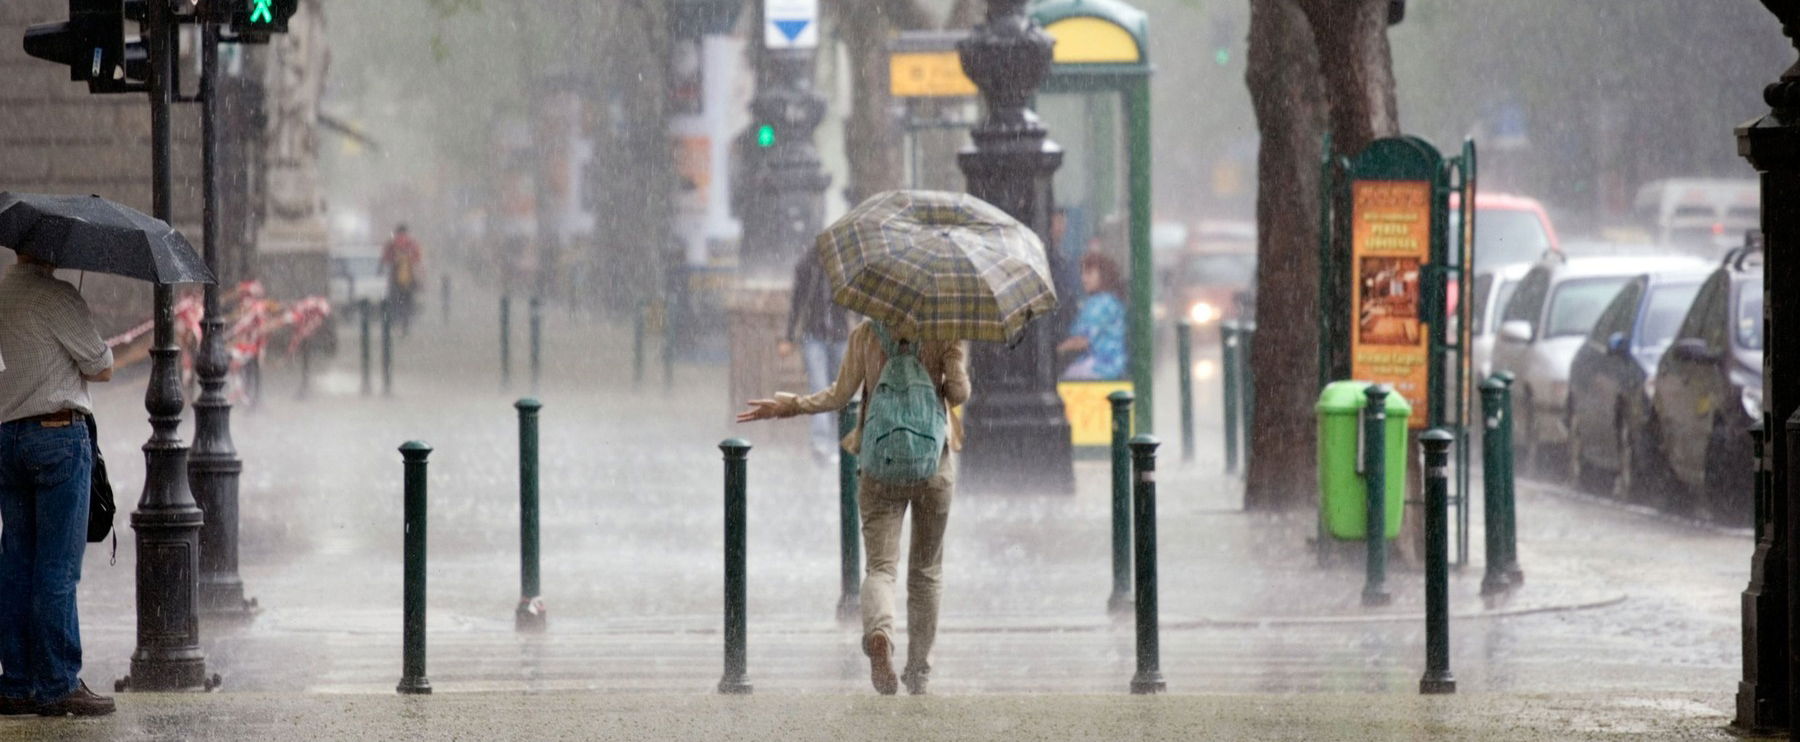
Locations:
(784, 196)
(167, 521)
(214, 467)
(1018, 435)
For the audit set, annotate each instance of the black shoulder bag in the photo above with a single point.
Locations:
(100, 493)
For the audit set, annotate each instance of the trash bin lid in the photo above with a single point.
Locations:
(1348, 397)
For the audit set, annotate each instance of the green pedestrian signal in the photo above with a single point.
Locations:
(254, 20)
(765, 135)
(1222, 56)
(262, 12)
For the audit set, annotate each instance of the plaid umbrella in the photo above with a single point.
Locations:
(936, 265)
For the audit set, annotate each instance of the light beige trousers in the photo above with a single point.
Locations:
(884, 506)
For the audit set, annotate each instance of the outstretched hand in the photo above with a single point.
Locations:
(760, 409)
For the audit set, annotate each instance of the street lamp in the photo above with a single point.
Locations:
(1018, 436)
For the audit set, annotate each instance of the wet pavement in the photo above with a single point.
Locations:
(1634, 613)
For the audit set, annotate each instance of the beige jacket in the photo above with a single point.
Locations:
(947, 362)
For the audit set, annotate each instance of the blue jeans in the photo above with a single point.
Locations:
(822, 359)
(43, 532)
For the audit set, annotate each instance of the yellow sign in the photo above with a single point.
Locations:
(933, 74)
(1090, 40)
(1390, 242)
(1089, 412)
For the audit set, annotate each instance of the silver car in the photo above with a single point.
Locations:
(1492, 290)
(1551, 311)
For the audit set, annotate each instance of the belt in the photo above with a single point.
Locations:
(55, 419)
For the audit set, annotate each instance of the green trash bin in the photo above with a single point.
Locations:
(1342, 497)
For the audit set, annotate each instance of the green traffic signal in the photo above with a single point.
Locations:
(262, 11)
(765, 135)
(1222, 56)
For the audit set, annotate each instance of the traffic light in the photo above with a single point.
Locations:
(765, 136)
(92, 43)
(261, 17)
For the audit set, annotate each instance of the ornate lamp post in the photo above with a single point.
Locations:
(1018, 436)
(168, 655)
(782, 199)
(1768, 695)
(213, 467)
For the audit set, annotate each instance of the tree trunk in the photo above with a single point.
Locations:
(1283, 74)
(1359, 81)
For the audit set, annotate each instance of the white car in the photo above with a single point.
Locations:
(1492, 290)
(1551, 312)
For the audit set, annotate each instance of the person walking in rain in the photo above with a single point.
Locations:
(884, 503)
(823, 339)
(400, 259)
(52, 350)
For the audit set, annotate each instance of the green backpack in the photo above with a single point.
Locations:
(906, 426)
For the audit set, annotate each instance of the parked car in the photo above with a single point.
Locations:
(1706, 216)
(1493, 289)
(1708, 390)
(1550, 314)
(1508, 229)
(1612, 370)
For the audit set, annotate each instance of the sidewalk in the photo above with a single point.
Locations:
(1616, 605)
(832, 718)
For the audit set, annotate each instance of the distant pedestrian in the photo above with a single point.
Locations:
(1098, 335)
(823, 336)
(46, 459)
(401, 260)
(884, 502)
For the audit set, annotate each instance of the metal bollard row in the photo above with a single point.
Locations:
(1149, 677)
(1228, 362)
(412, 675)
(505, 341)
(849, 523)
(530, 615)
(1502, 571)
(736, 680)
(367, 314)
(1184, 363)
(1120, 599)
(537, 341)
(1437, 678)
(387, 347)
(1375, 495)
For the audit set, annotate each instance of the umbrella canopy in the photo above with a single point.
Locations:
(936, 265)
(91, 233)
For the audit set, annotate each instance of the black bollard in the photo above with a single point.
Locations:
(1149, 677)
(637, 344)
(1375, 496)
(505, 341)
(537, 341)
(1120, 599)
(387, 347)
(1184, 362)
(1496, 455)
(668, 343)
(1247, 383)
(1437, 678)
(1228, 365)
(735, 680)
(530, 615)
(444, 296)
(412, 677)
(849, 524)
(366, 311)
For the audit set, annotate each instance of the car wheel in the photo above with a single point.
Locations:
(1729, 480)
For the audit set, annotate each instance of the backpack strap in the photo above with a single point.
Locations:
(888, 346)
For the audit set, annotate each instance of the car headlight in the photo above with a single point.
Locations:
(1752, 398)
(1203, 313)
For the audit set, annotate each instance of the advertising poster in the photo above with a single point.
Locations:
(1390, 245)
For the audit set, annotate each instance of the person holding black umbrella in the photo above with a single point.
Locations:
(52, 351)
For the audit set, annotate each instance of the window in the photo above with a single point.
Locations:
(1619, 313)
(1668, 303)
(1482, 282)
(1578, 304)
(1505, 236)
(1692, 325)
(1747, 321)
(1528, 299)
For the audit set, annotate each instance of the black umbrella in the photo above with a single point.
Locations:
(93, 234)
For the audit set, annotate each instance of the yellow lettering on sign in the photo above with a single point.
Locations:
(1088, 40)
(928, 75)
